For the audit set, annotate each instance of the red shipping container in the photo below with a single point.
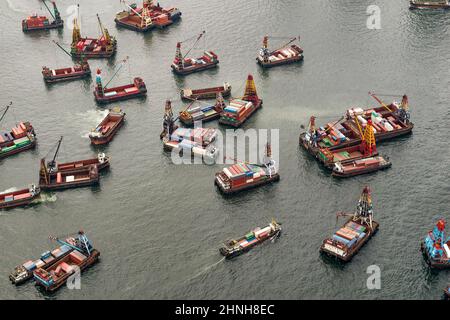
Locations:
(58, 177)
(22, 196)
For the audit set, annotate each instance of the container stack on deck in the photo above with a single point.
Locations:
(436, 247)
(20, 138)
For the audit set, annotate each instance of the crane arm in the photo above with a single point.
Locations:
(117, 71)
(101, 25)
(286, 44)
(51, 13)
(67, 52)
(198, 38)
(6, 110)
(379, 101)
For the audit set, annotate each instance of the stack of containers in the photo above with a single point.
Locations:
(22, 196)
(77, 257)
(263, 233)
(237, 109)
(350, 234)
(29, 265)
(242, 173)
(9, 198)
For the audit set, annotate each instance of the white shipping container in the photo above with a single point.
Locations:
(447, 250)
(70, 179)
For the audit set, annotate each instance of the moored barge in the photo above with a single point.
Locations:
(436, 247)
(361, 166)
(232, 248)
(206, 93)
(35, 22)
(109, 126)
(203, 113)
(288, 53)
(356, 232)
(19, 198)
(240, 110)
(67, 179)
(104, 95)
(243, 176)
(429, 4)
(83, 255)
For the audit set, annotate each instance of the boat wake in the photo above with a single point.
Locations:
(204, 270)
(93, 118)
(9, 190)
(46, 198)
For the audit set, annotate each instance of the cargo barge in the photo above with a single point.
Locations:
(183, 66)
(83, 255)
(206, 93)
(288, 53)
(104, 95)
(389, 122)
(356, 232)
(240, 110)
(108, 128)
(243, 176)
(198, 141)
(204, 113)
(35, 22)
(232, 248)
(362, 166)
(436, 247)
(24, 272)
(103, 47)
(19, 198)
(421, 4)
(67, 179)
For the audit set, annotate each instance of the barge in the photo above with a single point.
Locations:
(202, 113)
(232, 248)
(19, 198)
(109, 126)
(436, 247)
(35, 22)
(288, 53)
(429, 4)
(389, 121)
(355, 233)
(243, 176)
(67, 179)
(83, 255)
(362, 166)
(240, 110)
(183, 66)
(206, 93)
(104, 95)
(103, 47)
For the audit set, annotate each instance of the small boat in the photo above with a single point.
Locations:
(284, 55)
(356, 232)
(109, 126)
(35, 22)
(447, 292)
(204, 113)
(103, 47)
(19, 198)
(206, 93)
(105, 95)
(243, 176)
(24, 272)
(233, 248)
(83, 255)
(436, 247)
(429, 4)
(361, 166)
(240, 110)
(184, 66)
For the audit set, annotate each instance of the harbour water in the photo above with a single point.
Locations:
(158, 225)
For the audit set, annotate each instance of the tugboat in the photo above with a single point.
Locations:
(20, 138)
(203, 113)
(436, 247)
(198, 141)
(429, 4)
(36, 22)
(284, 55)
(103, 47)
(104, 95)
(19, 198)
(109, 126)
(243, 176)
(24, 272)
(356, 232)
(233, 248)
(206, 93)
(240, 110)
(82, 256)
(78, 71)
(183, 66)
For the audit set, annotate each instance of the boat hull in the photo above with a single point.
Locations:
(234, 190)
(134, 27)
(279, 62)
(53, 25)
(433, 263)
(109, 137)
(365, 170)
(413, 5)
(18, 150)
(18, 203)
(106, 100)
(69, 77)
(235, 254)
(192, 69)
(189, 122)
(205, 95)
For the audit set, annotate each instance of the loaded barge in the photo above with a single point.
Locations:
(232, 248)
(243, 176)
(103, 47)
(389, 121)
(109, 126)
(356, 232)
(78, 71)
(202, 113)
(36, 22)
(19, 198)
(206, 93)
(429, 4)
(82, 256)
(362, 166)
(183, 66)
(436, 247)
(286, 54)
(240, 110)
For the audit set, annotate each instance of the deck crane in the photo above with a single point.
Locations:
(179, 58)
(6, 110)
(368, 144)
(313, 132)
(146, 20)
(364, 209)
(80, 243)
(168, 121)
(265, 47)
(82, 60)
(99, 87)
(55, 14)
(105, 33)
(402, 111)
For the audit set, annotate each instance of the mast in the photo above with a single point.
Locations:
(98, 82)
(368, 141)
(6, 110)
(168, 120)
(250, 93)
(364, 209)
(265, 49)
(220, 103)
(179, 57)
(76, 33)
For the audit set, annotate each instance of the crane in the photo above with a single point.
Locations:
(364, 209)
(6, 110)
(83, 245)
(55, 14)
(179, 58)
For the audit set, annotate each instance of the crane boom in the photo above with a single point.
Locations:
(6, 110)
(131, 8)
(101, 25)
(288, 43)
(51, 13)
(198, 38)
(117, 71)
(379, 101)
(67, 52)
